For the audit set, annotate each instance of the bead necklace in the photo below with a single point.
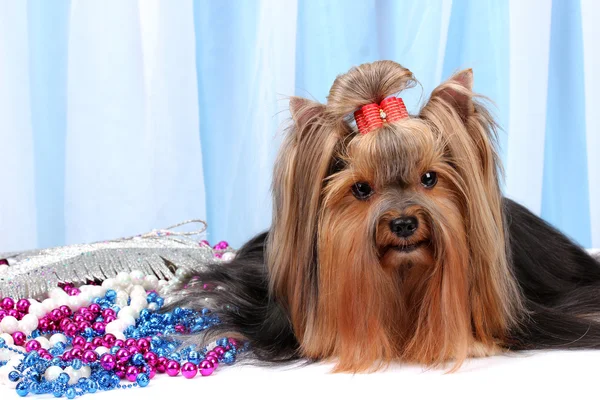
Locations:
(85, 339)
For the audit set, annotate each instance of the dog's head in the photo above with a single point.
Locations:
(390, 243)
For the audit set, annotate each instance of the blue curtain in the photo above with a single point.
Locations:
(119, 116)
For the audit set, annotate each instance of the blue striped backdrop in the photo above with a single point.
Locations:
(119, 116)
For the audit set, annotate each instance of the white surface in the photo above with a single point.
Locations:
(557, 374)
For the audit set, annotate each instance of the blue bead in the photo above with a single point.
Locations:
(57, 393)
(110, 294)
(143, 380)
(76, 364)
(70, 393)
(22, 389)
(137, 359)
(114, 380)
(205, 311)
(14, 376)
(114, 349)
(55, 361)
(229, 357)
(104, 381)
(92, 387)
(160, 302)
(2, 343)
(222, 342)
(63, 378)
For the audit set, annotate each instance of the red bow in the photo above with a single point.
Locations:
(372, 116)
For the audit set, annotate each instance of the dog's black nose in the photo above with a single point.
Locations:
(404, 226)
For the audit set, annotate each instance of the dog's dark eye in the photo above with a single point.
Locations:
(362, 190)
(429, 179)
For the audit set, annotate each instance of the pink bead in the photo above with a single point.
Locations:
(109, 340)
(144, 345)
(133, 349)
(7, 303)
(82, 325)
(70, 329)
(107, 361)
(120, 371)
(212, 353)
(97, 342)
(67, 356)
(206, 368)
(33, 345)
(77, 352)
(83, 310)
(151, 358)
(79, 341)
(213, 360)
(204, 243)
(89, 346)
(119, 343)
(108, 312)
(219, 350)
(78, 318)
(63, 324)
(123, 356)
(110, 319)
(90, 356)
(13, 313)
(131, 373)
(89, 317)
(19, 338)
(75, 292)
(189, 370)
(179, 328)
(23, 305)
(95, 308)
(161, 365)
(172, 368)
(47, 356)
(56, 315)
(130, 342)
(2, 314)
(99, 327)
(66, 310)
(151, 371)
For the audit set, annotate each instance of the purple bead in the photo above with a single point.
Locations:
(33, 345)
(7, 303)
(99, 327)
(23, 305)
(123, 356)
(107, 361)
(189, 370)
(90, 356)
(19, 338)
(95, 308)
(13, 313)
(79, 341)
(172, 368)
(219, 350)
(131, 373)
(66, 310)
(206, 368)
(109, 340)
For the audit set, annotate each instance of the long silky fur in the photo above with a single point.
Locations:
(313, 287)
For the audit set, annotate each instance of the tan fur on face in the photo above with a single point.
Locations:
(336, 266)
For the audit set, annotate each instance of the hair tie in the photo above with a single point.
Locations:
(372, 116)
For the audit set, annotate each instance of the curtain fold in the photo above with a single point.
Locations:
(120, 116)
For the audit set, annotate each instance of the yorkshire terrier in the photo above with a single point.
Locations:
(391, 240)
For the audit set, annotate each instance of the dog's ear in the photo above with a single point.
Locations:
(305, 111)
(457, 92)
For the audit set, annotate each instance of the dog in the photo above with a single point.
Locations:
(391, 241)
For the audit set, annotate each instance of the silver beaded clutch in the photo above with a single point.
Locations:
(32, 273)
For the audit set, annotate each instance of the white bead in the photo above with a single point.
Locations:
(137, 277)
(15, 359)
(56, 338)
(162, 283)
(228, 256)
(119, 335)
(153, 307)
(109, 283)
(101, 350)
(138, 290)
(150, 282)
(74, 375)
(57, 294)
(45, 343)
(126, 321)
(37, 309)
(114, 327)
(98, 291)
(9, 324)
(85, 371)
(123, 278)
(180, 273)
(8, 339)
(129, 310)
(52, 373)
(139, 303)
(28, 324)
(49, 305)
(73, 303)
(4, 371)
(5, 354)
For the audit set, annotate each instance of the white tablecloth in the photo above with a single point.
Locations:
(540, 375)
